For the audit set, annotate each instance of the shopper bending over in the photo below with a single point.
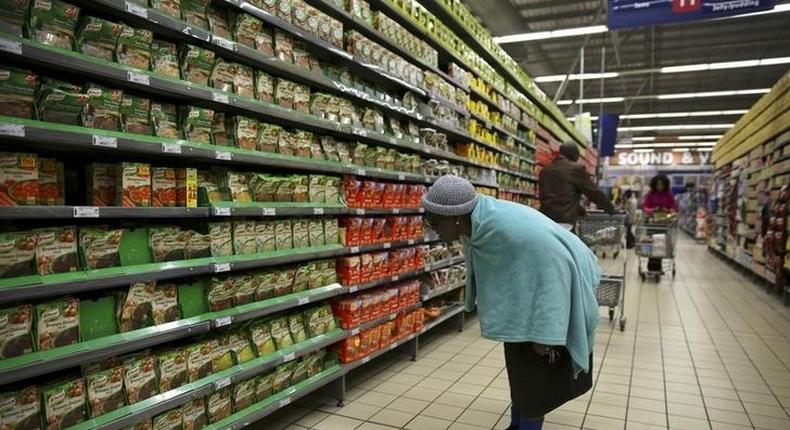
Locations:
(659, 198)
(562, 184)
(534, 283)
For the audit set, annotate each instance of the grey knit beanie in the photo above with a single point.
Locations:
(450, 195)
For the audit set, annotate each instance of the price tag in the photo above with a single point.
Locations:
(392, 317)
(222, 211)
(138, 78)
(410, 242)
(426, 239)
(395, 278)
(269, 212)
(354, 249)
(86, 212)
(393, 346)
(221, 383)
(387, 245)
(401, 177)
(361, 172)
(366, 359)
(289, 357)
(359, 211)
(353, 288)
(171, 148)
(290, 391)
(360, 132)
(10, 46)
(285, 402)
(220, 98)
(303, 300)
(421, 210)
(355, 331)
(222, 322)
(12, 130)
(318, 211)
(136, 9)
(222, 267)
(105, 141)
(427, 149)
(396, 211)
(225, 43)
(223, 155)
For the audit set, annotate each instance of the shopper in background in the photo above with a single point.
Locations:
(534, 283)
(561, 185)
(659, 198)
(631, 208)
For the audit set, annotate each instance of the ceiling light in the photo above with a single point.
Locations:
(676, 127)
(644, 139)
(673, 145)
(701, 137)
(669, 96)
(705, 150)
(643, 150)
(680, 150)
(595, 100)
(554, 34)
(684, 114)
(623, 146)
(576, 77)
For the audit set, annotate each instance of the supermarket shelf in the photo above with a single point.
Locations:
(443, 264)
(381, 320)
(517, 191)
(366, 359)
(129, 415)
(729, 258)
(446, 315)
(443, 290)
(273, 403)
(44, 362)
(58, 137)
(407, 275)
(115, 212)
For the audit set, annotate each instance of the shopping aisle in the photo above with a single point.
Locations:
(709, 351)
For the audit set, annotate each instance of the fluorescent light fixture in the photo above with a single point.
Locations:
(623, 146)
(684, 114)
(595, 100)
(643, 150)
(554, 34)
(676, 127)
(674, 145)
(680, 150)
(576, 77)
(705, 150)
(668, 96)
(643, 139)
(701, 137)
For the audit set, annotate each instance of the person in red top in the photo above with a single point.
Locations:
(658, 198)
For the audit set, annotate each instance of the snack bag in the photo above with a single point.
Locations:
(57, 323)
(53, 22)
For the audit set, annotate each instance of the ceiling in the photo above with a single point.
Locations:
(733, 39)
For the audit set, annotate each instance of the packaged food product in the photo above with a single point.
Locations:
(218, 22)
(12, 19)
(146, 424)
(331, 231)
(199, 360)
(220, 294)
(237, 184)
(19, 179)
(301, 188)
(17, 89)
(57, 323)
(264, 385)
(139, 378)
(168, 243)
(301, 233)
(264, 88)
(264, 187)
(222, 75)
(244, 81)
(208, 183)
(221, 234)
(286, 146)
(102, 109)
(186, 187)
(194, 415)
(284, 93)
(134, 185)
(283, 46)
(243, 394)
(282, 377)
(281, 333)
(198, 245)
(173, 371)
(135, 114)
(99, 248)
(98, 37)
(163, 187)
(53, 22)
(101, 184)
(266, 285)
(316, 189)
(219, 405)
(20, 410)
(56, 250)
(64, 404)
(284, 282)
(315, 228)
(297, 328)
(105, 391)
(283, 234)
(240, 346)
(245, 132)
(264, 41)
(301, 98)
(164, 58)
(244, 240)
(16, 331)
(169, 7)
(299, 372)
(300, 14)
(245, 27)
(332, 190)
(197, 124)
(194, 13)
(170, 420)
(221, 355)
(164, 306)
(265, 236)
(301, 56)
(134, 47)
(196, 64)
(261, 336)
(284, 10)
(164, 119)
(219, 130)
(135, 306)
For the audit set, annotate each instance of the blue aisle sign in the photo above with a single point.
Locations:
(636, 13)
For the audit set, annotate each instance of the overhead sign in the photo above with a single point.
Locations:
(636, 13)
(630, 159)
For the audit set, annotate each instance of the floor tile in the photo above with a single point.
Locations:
(392, 417)
(422, 422)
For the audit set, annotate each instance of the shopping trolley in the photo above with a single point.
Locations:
(604, 234)
(655, 238)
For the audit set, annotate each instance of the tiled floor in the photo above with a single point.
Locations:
(708, 351)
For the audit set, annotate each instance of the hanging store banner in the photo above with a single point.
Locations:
(631, 159)
(641, 13)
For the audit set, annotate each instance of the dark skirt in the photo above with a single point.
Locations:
(539, 385)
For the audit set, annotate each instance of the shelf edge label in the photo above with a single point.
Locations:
(171, 148)
(223, 321)
(221, 267)
(223, 155)
(104, 141)
(220, 98)
(318, 211)
(222, 383)
(16, 130)
(138, 78)
(222, 211)
(86, 211)
(224, 43)
(285, 402)
(10, 46)
(303, 301)
(289, 357)
(269, 212)
(136, 9)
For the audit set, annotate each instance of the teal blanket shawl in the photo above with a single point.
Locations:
(533, 280)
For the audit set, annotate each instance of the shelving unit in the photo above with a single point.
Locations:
(750, 218)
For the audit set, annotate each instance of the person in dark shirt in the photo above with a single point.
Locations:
(561, 185)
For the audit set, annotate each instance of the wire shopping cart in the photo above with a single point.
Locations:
(656, 240)
(604, 234)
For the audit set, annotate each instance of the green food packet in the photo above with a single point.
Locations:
(301, 278)
(261, 336)
(139, 378)
(98, 37)
(134, 47)
(135, 307)
(195, 416)
(315, 229)
(173, 371)
(218, 22)
(13, 15)
(197, 124)
(221, 354)
(105, 391)
(102, 109)
(219, 405)
(243, 394)
(246, 287)
(264, 386)
(221, 234)
(16, 331)
(198, 245)
(301, 233)
(57, 323)
(196, 64)
(299, 372)
(220, 294)
(17, 90)
(284, 282)
(283, 234)
(244, 240)
(135, 115)
(245, 132)
(199, 360)
(245, 27)
(164, 119)
(168, 7)
(194, 13)
(167, 243)
(170, 420)
(331, 231)
(312, 319)
(241, 347)
(264, 236)
(21, 410)
(266, 284)
(165, 304)
(281, 333)
(53, 22)
(99, 248)
(264, 187)
(164, 58)
(282, 377)
(297, 328)
(222, 75)
(56, 250)
(264, 91)
(17, 254)
(64, 404)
